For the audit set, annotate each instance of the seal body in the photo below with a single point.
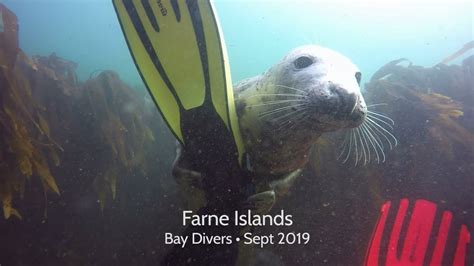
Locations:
(282, 113)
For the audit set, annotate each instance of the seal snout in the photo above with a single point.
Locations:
(340, 103)
(358, 113)
(352, 108)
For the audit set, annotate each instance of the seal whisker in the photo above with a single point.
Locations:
(381, 115)
(369, 120)
(350, 145)
(372, 139)
(369, 140)
(377, 139)
(302, 118)
(386, 132)
(366, 144)
(288, 114)
(355, 105)
(298, 115)
(378, 133)
(376, 104)
(361, 147)
(275, 94)
(380, 120)
(344, 142)
(356, 144)
(291, 88)
(281, 127)
(280, 109)
(274, 102)
(343, 150)
(304, 115)
(343, 146)
(299, 118)
(359, 153)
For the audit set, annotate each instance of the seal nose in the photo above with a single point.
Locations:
(346, 101)
(351, 105)
(358, 112)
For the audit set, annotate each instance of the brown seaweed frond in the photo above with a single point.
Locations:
(25, 136)
(444, 126)
(117, 112)
(468, 46)
(48, 118)
(440, 113)
(389, 69)
(29, 125)
(27, 139)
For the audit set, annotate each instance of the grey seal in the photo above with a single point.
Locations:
(282, 113)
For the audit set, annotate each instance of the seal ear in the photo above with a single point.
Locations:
(358, 77)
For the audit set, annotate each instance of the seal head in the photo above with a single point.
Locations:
(282, 112)
(330, 82)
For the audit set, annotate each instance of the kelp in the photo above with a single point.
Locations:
(119, 120)
(51, 123)
(440, 96)
(8, 37)
(25, 137)
(468, 46)
(446, 130)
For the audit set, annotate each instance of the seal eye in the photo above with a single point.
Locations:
(303, 62)
(358, 76)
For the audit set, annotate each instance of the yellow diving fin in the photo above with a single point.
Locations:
(178, 48)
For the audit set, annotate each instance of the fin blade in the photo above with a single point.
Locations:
(167, 102)
(178, 49)
(227, 112)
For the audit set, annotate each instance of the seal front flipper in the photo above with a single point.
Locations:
(178, 49)
(190, 182)
(182, 171)
(283, 185)
(260, 203)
